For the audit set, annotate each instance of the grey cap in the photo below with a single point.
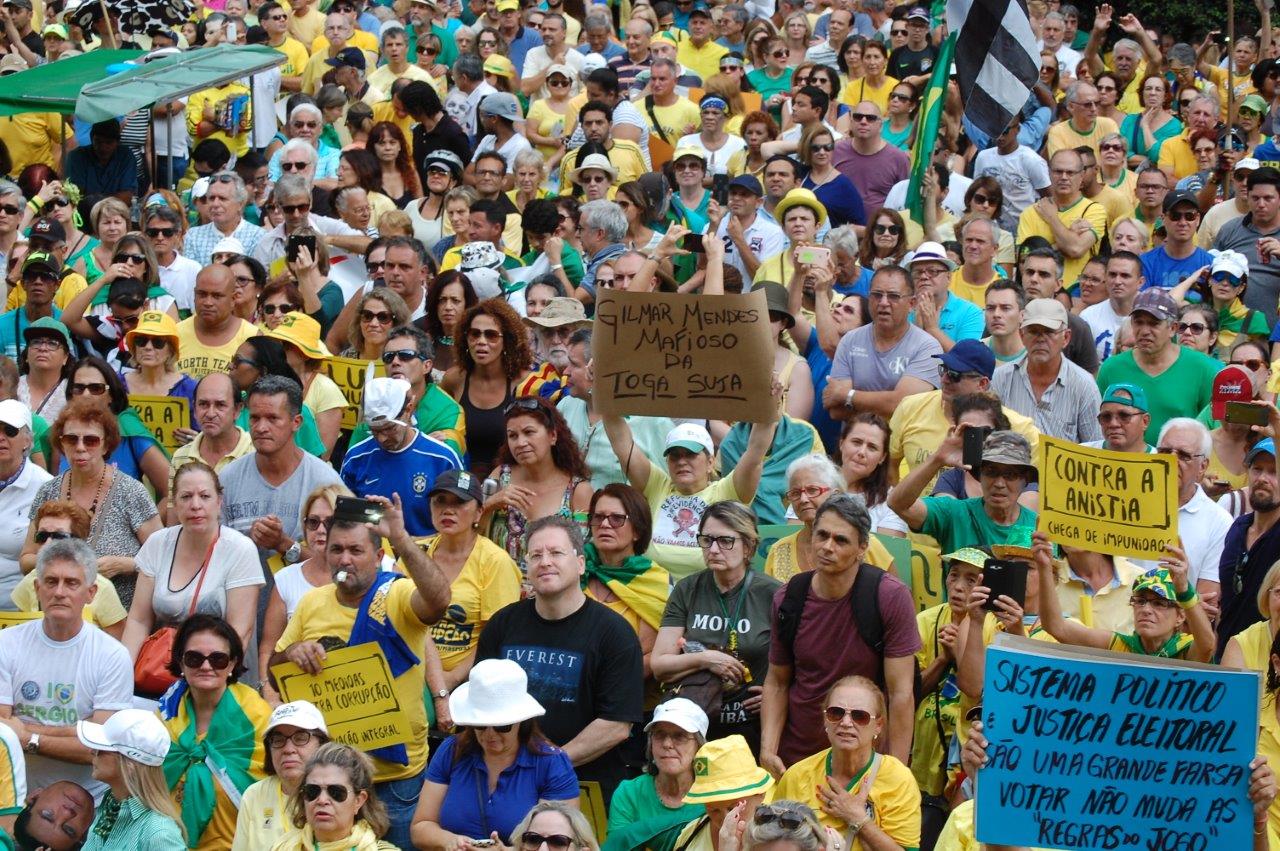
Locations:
(1009, 448)
(503, 105)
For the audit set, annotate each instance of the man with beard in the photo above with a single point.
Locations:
(553, 327)
(1253, 542)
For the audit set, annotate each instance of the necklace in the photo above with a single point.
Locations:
(93, 508)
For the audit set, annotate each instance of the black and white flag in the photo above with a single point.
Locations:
(997, 62)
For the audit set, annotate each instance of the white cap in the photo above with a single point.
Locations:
(228, 245)
(689, 436)
(1231, 262)
(476, 255)
(384, 399)
(682, 712)
(133, 733)
(15, 414)
(1248, 164)
(592, 62)
(200, 188)
(301, 714)
(496, 693)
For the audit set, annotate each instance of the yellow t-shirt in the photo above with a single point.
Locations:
(366, 41)
(703, 61)
(1030, 224)
(105, 610)
(34, 137)
(1109, 608)
(1241, 86)
(383, 77)
(1127, 186)
(307, 27)
(674, 120)
(13, 773)
(1269, 746)
(545, 121)
(624, 155)
(73, 283)
(319, 614)
(918, 427)
(1176, 154)
(489, 580)
(927, 747)
(894, 799)
(264, 816)
(783, 561)
(676, 518)
(324, 395)
(1255, 642)
(972, 293)
(189, 452)
(239, 143)
(856, 91)
(222, 827)
(1115, 204)
(386, 111)
(198, 360)
(1064, 135)
(296, 53)
(959, 833)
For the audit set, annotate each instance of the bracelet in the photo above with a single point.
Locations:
(35, 204)
(557, 267)
(1191, 602)
(1187, 596)
(854, 829)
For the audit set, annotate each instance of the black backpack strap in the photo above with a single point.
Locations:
(653, 116)
(866, 607)
(792, 606)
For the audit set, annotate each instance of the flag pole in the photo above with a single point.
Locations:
(1231, 44)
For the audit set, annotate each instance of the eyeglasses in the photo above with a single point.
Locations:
(298, 737)
(779, 54)
(10, 209)
(786, 819)
(497, 728)
(382, 317)
(810, 492)
(46, 343)
(336, 792)
(828, 147)
(428, 49)
(46, 535)
(558, 82)
(892, 298)
(1193, 327)
(93, 388)
(724, 542)
(488, 44)
(1152, 603)
(860, 117)
(1183, 455)
(613, 521)
(294, 166)
(1122, 417)
(282, 309)
(836, 714)
(953, 375)
(1182, 216)
(532, 841)
(980, 198)
(217, 660)
(306, 125)
(161, 232)
(405, 355)
(888, 230)
(294, 209)
(88, 441)
(241, 360)
(311, 523)
(491, 335)
(143, 342)
(897, 32)
(595, 178)
(1251, 364)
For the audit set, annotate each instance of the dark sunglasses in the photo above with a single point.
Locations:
(427, 49)
(897, 32)
(829, 147)
(1182, 216)
(59, 202)
(497, 728)
(382, 317)
(336, 793)
(10, 209)
(835, 714)
(125, 257)
(1193, 327)
(779, 54)
(400, 354)
(787, 819)
(293, 209)
(217, 660)
(46, 535)
(282, 309)
(524, 404)
(888, 230)
(165, 232)
(293, 167)
(530, 840)
(241, 360)
(93, 388)
(981, 198)
(1251, 364)
(1225, 278)
(491, 334)
(143, 342)
(860, 117)
(89, 441)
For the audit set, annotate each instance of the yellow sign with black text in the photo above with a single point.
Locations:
(163, 415)
(1121, 503)
(350, 374)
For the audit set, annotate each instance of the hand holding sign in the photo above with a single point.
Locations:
(353, 689)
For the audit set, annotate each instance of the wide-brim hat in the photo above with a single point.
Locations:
(1008, 448)
(594, 162)
(303, 332)
(777, 300)
(726, 770)
(559, 312)
(496, 693)
(154, 323)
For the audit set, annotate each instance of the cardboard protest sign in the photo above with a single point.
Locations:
(663, 354)
(355, 694)
(1089, 749)
(350, 374)
(163, 415)
(8, 619)
(1121, 503)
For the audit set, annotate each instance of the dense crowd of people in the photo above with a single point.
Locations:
(304, 361)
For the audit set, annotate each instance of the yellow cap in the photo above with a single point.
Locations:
(500, 65)
(155, 323)
(725, 770)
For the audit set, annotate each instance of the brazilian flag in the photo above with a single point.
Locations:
(935, 98)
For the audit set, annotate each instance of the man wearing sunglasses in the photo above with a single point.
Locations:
(864, 157)
(295, 195)
(163, 227)
(62, 669)
(1232, 208)
(1178, 257)
(1124, 420)
(41, 274)
(408, 355)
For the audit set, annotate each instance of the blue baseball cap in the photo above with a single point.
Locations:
(749, 183)
(348, 57)
(970, 356)
(1265, 445)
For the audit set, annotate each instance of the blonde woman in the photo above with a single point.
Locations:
(549, 819)
(138, 814)
(335, 805)
(109, 219)
(530, 173)
(380, 310)
(798, 35)
(1129, 234)
(1251, 647)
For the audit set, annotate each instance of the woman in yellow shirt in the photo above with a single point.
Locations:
(875, 85)
(548, 117)
(870, 798)
(1251, 647)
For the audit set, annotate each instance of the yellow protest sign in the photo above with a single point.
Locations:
(349, 374)
(1122, 503)
(355, 694)
(8, 619)
(663, 354)
(163, 415)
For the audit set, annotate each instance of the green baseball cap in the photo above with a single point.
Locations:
(1129, 395)
(43, 259)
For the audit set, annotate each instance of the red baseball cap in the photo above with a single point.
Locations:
(1232, 384)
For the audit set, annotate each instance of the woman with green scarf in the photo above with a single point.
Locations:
(1163, 600)
(616, 575)
(217, 726)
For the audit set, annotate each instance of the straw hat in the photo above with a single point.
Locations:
(302, 332)
(154, 323)
(725, 770)
(496, 693)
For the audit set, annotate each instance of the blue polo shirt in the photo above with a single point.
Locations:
(469, 810)
(410, 472)
(959, 319)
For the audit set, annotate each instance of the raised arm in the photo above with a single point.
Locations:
(635, 464)
(432, 592)
(1065, 631)
(904, 499)
(746, 473)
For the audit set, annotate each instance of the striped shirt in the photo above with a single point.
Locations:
(1068, 408)
(135, 828)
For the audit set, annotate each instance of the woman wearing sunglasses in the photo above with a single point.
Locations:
(887, 242)
(380, 310)
(294, 733)
(216, 724)
(550, 117)
(123, 514)
(850, 786)
(481, 782)
(195, 565)
(555, 826)
(279, 297)
(540, 472)
(772, 79)
(102, 312)
(1227, 280)
(724, 611)
(836, 191)
(152, 346)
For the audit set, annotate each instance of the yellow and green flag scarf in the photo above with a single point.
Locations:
(638, 582)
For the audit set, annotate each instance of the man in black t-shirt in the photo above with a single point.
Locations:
(913, 62)
(583, 661)
(435, 130)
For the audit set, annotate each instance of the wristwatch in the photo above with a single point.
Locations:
(848, 399)
(442, 693)
(294, 553)
(33, 744)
